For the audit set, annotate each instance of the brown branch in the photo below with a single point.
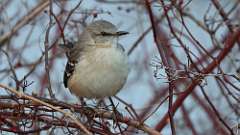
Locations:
(68, 114)
(232, 38)
(23, 21)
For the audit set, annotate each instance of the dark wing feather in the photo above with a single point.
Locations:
(69, 69)
(74, 54)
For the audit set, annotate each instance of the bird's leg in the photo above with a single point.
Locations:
(82, 101)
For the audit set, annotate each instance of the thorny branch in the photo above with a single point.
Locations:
(185, 57)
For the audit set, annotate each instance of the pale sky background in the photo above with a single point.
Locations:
(137, 91)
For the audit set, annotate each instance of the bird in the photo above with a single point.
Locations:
(97, 65)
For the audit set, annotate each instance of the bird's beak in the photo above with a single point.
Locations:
(121, 33)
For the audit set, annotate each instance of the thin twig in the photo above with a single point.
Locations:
(23, 21)
(46, 45)
(68, 114)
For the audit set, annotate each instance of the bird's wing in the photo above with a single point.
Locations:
(74, 55)
(69, 69)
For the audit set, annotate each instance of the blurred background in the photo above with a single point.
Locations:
(183, 56)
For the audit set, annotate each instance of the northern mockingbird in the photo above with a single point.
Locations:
(97, 66)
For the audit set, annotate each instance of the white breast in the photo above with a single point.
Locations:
(99, 73)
